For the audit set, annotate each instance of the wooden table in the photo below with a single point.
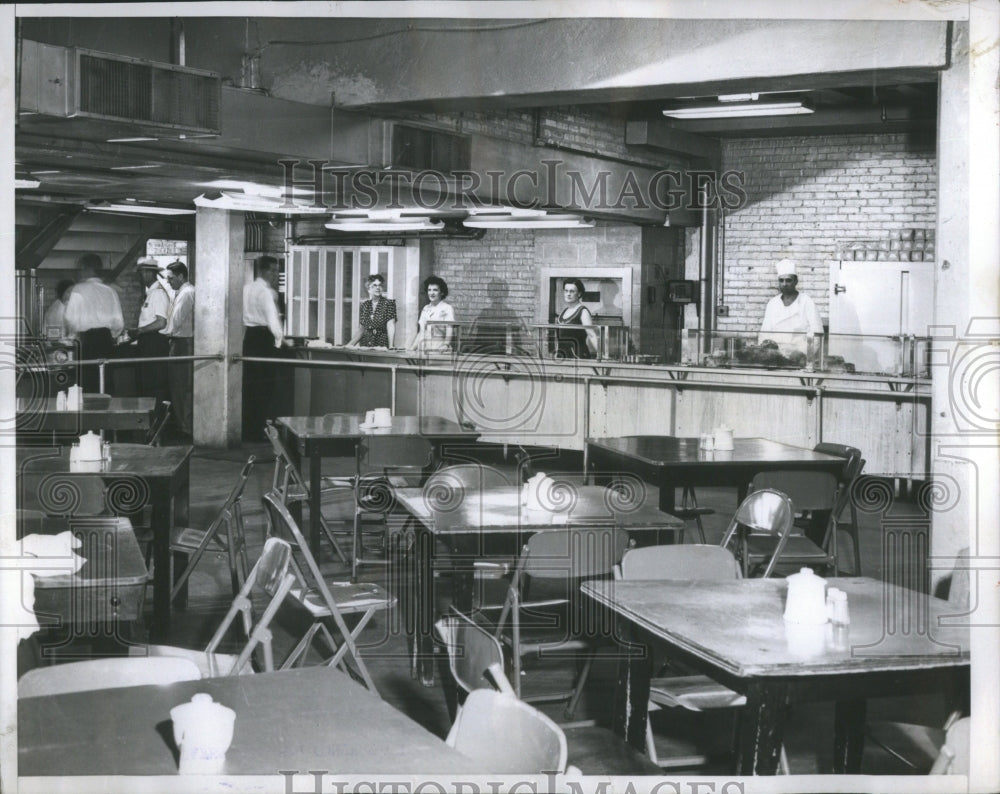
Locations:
(670, 462)
(137, 476)
(341, 435)
(734, 632)
(120, 413)
(305, 719)
(467, 524)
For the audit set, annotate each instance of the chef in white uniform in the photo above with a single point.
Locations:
(790, 316)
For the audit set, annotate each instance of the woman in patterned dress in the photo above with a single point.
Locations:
(435, 338)
(378, 316)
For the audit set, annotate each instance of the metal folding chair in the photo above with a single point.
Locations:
(854, 464)
(569, 554)
(769, 514)
(186, 541)
(326, 599)
(289, 486)
(272, 576)
(153, 439)
(691, 692)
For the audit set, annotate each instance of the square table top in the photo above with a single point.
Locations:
(737, 626)
(112, 413)
(300, 719)
(134, 459)
(671, 451)
(499, 509)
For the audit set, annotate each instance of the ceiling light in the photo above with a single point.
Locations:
(137, 209)
(507, 212)
(26, 184)
(242, 202)
(409, 224)
(732, 110)
(134, 167)
(40, 173)
(137, 139)
(515, 222)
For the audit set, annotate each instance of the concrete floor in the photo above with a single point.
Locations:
(809, 736)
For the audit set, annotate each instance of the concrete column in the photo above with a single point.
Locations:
(218, 326)
(966, 408)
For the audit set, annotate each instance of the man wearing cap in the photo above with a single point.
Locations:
(93, 317)
(790, 315)
(150, 342)
(180, 333)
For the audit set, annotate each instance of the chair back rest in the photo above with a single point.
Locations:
(106, 674)
(471, 651)
(395, 453)
(506, 736)
(767, 511)
(282, 524)
(953, 759)
(574, 552)
(154, 435)
(272, 567)
(680, 562)
(808, 490)
(285, 472)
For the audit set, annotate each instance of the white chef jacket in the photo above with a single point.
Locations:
(787, 325)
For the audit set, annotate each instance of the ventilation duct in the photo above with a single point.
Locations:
(76, 82)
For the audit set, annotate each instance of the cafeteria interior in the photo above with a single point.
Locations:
(401, 420)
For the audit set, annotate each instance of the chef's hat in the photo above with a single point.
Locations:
(786, 267)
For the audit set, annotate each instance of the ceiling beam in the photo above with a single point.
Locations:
(657, 135)
(36, 248)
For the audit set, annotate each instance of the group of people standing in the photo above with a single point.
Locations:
(90, 312)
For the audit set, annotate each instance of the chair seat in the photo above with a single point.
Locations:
(693, 692)
(223, 661)
(189, 539)
(797, 547)
(357, 597)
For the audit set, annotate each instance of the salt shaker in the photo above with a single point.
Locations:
(836, 602)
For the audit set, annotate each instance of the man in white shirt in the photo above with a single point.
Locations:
(179, 331)
(790, 316)
(150, 342)
(262, 338)
(94, 318)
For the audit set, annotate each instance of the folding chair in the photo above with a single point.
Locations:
(475, 660)
(105, 674)
(569, 555)
(854, 464)
(691, 692)
(688, 510)
(153, 439)
(382, 460)
(769, 513)
(326, 599)
(271, 575)
(810, 492)
(187, 540)
(289, 486)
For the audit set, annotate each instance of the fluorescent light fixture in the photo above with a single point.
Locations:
(547, 221)
(255, 188)
(136, 139)
(377, 225)
(50, 171)
(26, 184)
(507, 212)
(130, 208)
(134, 167)
(241, 202)
(733, 110)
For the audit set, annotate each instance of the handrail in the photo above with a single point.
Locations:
(105, 362)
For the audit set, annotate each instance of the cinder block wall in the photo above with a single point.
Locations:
(807, 198)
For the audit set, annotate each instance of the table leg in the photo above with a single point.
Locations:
(667, 501)
(761, 731)
(630, 707)
(160, 524)
(315, 500)
(423, 608)
(849, 735)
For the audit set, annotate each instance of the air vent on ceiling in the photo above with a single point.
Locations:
(79, 82)
(422, 149)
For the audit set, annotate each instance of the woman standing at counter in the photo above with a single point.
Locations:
(580, 342)
(378, 316)
(437, 338)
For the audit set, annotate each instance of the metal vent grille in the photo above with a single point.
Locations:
(419, 149)
(141, 92)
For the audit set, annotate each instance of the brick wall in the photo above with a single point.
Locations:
(808, 198)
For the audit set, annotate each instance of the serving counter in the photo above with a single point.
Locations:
(524, 399)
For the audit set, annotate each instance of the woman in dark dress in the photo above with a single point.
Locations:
(378, 316)
(577, 342)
